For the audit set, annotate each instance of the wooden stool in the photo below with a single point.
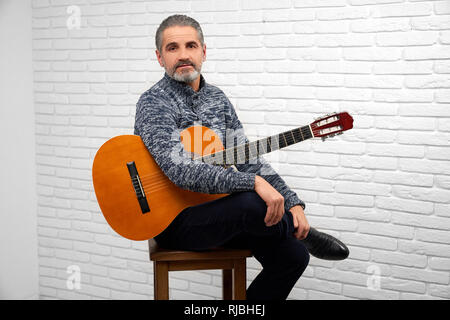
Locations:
(231, 261)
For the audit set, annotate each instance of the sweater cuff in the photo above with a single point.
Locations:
(245, 181)
(293, 201)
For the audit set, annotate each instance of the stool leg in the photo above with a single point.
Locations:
(227, 284)
(161, 280)
(239, 279)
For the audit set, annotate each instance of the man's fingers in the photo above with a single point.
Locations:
(294, 219)
(273, 216)
(305, 233)
(269, 214)
(274, 213)
(274, 219)
(280, 211)
(273, 199)
(302, 232)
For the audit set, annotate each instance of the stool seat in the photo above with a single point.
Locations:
(231, 261)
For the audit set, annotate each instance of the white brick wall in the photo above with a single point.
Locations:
(383, 187)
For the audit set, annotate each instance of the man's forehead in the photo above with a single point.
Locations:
(180, 34)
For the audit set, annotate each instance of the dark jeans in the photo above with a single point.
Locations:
(237, 221)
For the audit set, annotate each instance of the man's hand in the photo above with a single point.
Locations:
(300, 222)
(273, 199)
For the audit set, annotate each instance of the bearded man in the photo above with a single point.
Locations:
(261, 212)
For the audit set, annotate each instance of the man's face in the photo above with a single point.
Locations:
(181, 53)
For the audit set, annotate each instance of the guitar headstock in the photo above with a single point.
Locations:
(331, 125)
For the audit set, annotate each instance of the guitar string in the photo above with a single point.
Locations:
(151, 176)
(150, 190)
(147, 180)
(154, 185)
(148, 185)
(241, 149)
(147, 188)
(239, 152)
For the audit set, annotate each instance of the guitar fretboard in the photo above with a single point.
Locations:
(244, 153)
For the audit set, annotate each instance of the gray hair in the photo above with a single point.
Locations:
(177, 20)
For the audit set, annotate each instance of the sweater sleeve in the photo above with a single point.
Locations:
(260, 166)
(156, 123)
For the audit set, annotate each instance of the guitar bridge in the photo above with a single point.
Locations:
(137, 186)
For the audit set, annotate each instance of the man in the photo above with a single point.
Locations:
(260, 213)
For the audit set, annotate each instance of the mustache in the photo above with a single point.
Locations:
(184, 62)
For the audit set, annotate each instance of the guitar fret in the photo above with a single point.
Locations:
(297, 134)
(293, 138)
(281, 141)
(307, 132)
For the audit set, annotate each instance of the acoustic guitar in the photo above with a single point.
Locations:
(139, 201)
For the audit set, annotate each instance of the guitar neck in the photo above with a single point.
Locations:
(244, 153)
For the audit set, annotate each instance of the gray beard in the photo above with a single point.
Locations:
(186, 77)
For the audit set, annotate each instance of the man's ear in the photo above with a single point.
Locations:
(204, 52)
(158, 56)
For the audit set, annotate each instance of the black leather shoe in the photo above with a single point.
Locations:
(325, 246)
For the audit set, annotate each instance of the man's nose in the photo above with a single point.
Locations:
(183, 54)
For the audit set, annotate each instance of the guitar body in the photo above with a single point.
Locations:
(115, 190)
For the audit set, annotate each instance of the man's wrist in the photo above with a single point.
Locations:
(296, 207)
(294, 201)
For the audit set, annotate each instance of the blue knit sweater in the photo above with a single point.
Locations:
(167, 108)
